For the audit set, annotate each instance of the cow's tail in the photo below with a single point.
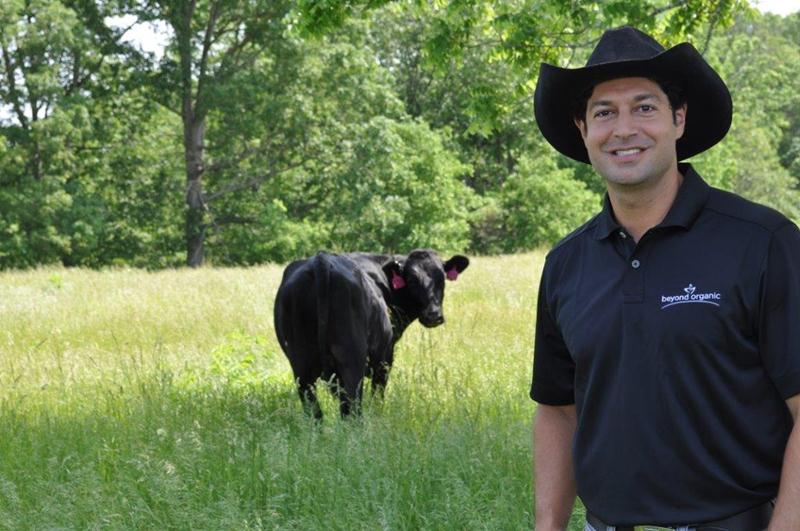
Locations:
(322, 276)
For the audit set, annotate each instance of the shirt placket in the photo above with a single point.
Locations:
(633, 279)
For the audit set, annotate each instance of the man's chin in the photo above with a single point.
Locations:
(621, 177)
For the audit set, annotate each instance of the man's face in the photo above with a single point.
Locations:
(630, 132)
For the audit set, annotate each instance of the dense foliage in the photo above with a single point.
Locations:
(267, 129)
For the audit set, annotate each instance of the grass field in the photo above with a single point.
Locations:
(138, 400)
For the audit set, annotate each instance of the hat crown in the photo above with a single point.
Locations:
(624, 44)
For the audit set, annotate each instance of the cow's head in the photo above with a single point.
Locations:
(419, 282)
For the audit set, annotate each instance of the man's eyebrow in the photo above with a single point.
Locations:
(600, 103)
(638, 98)
(646, 96)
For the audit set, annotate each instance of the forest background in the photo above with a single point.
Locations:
(265, 130)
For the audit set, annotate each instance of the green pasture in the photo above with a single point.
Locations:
(139, 400)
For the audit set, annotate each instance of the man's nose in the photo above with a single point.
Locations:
(624, 127)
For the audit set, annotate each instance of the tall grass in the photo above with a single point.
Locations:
(136, 400)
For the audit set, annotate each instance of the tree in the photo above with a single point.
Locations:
(52, 63)
(523, 33)
(452, 98)
(760, 67)
(211, 41)
(311, 101)
(790, 142)
(399, 188)
(214, 41)
(399, 123)
(543, 203)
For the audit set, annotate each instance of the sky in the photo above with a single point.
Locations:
(779, 7)
(149, 37)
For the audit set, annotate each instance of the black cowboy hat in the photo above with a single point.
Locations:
(627, 52)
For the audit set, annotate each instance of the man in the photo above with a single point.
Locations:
(667, 352)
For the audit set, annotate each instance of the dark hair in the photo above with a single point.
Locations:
(674, 91)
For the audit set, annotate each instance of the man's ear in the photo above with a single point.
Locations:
(394, 274)
(455, 265)
(581, 125)
(680, 120)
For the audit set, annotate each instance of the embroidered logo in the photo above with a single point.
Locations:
(691, 296)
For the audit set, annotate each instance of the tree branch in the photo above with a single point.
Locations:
(232, 219)
(208, 40)
(711, 25)
(231, 161)
(251, 182)
(669, 7)
(232, 53)
(183, 34)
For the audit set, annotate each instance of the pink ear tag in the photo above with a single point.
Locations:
(397, 281)
(452, 274)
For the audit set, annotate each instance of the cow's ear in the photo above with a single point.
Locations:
(457, 264)
(394, 273)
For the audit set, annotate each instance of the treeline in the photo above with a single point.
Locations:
(269, 129)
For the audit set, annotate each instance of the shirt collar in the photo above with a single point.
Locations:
(606, 222)
(692, 197)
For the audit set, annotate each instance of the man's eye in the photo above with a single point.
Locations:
(647, 108)
(602, 114)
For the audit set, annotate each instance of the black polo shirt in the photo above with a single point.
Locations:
(678, 352)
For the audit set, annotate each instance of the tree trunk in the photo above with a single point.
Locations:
(193, 133)
(194, 128)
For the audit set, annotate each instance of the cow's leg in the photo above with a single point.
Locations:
(308, 396)
(295, 327)
(380, 376)
(307, 369)
(348, 389)
(381, 363)
(349, 378)
(348, 335)
(348, 402)
(350, 396)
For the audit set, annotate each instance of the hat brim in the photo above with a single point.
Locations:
(709, 106)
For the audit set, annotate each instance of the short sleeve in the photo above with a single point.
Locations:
(779, 316)
(553, 368)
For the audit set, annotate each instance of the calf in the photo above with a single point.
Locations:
(339, 316)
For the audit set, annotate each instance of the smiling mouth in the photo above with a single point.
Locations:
(628, 152)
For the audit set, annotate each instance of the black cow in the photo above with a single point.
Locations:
(339, 316)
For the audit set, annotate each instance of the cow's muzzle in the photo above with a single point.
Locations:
(431, 321)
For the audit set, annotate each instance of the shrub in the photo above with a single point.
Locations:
(543, 203)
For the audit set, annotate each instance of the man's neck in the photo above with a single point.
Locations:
(639, 208)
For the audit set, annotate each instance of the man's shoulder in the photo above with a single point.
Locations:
(568, 242)
(745, 211)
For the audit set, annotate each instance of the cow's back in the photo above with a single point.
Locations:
(330, 314)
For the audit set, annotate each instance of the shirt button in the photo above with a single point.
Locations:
(622, 234)
(635, 264)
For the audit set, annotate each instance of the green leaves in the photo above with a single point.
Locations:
(398, 189)
(759, 62)
(542, 204)
(318, 17)
(340, 124)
